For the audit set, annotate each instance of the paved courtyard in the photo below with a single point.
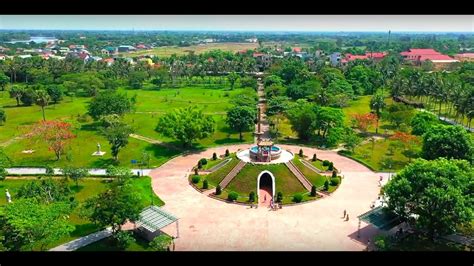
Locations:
(209, 224)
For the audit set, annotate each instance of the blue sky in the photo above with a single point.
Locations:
(425, 23)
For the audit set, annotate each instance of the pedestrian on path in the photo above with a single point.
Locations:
(344, 214)
(347, 217)
(265, 198)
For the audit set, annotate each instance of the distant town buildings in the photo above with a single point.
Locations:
(418, 56)
(465, 57)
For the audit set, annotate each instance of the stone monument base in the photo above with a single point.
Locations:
(98, 153)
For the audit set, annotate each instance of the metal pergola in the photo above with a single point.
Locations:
(153, 218)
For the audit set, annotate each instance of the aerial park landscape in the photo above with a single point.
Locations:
(238, 141)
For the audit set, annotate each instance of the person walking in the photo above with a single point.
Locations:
(347, 217)
(344, 214)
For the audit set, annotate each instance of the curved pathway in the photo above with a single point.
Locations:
(210, 224)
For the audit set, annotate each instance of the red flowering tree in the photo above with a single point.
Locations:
(56, 134)
(407, 141)
(363, 121)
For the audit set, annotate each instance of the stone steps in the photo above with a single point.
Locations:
(232, 174)
(299, 175)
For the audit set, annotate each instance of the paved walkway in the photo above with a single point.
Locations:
(83, 241)
(210, 224)
(57, 171)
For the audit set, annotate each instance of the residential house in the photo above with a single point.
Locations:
(109, 61)
(376, 56)
(263, 60)
(141, 47)
(252, 40)
(23, 56)
(126, 48)
(109, 51)
(2, 57)
(335, 59)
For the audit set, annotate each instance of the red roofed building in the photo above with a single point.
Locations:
(377, 56)
(109, 61)
(418, 56)
(465, 57)
(297, 49)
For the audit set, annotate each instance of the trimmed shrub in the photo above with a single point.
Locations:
(314, 158)
(313, 191)
(335, 181)
(298, 197)
(301, 153)
(205, 184)
(218, 190)
(330, 166)
(195, 179)
(326, 163)
(203, 161)
(232, 196)
(252, 196)
(326, 185)
(334, 173)
(279, 197)
(214, 156)
(3, 173)
(49, 170)
(161, 242)
(227, 153)
(123, 239)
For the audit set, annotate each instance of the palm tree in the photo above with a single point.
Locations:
(42, 99)
(377, 104)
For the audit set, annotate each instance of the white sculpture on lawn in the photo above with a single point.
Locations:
(98, 152)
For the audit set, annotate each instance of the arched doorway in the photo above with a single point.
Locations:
(265, 187)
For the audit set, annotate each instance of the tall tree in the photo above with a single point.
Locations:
(449, 142)
(377, 104)
(186, 125)
(42, 100)
(435, 196)
(117, 134)
(17, 93)
(115, 206)
(107, 103)
(241, 118)
(56, 134)
(232, 77)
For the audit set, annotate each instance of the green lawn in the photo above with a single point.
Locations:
(316, 179)
(318, 164)
(151, 104)
(216, 177)
(375, 155)
(88, 188)
(246, 180)
(211, 163)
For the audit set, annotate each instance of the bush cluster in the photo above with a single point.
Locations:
(195, 179)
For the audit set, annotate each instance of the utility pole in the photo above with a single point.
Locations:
(388, 45)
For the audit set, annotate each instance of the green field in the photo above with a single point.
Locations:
(151, 104)
(166, 51)
(88, 188)
(374, 155)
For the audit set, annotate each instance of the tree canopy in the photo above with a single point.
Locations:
(435, 196)
(186, 125)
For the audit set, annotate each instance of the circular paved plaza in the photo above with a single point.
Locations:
(208, 224)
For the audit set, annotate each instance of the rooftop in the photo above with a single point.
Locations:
(153, 218)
